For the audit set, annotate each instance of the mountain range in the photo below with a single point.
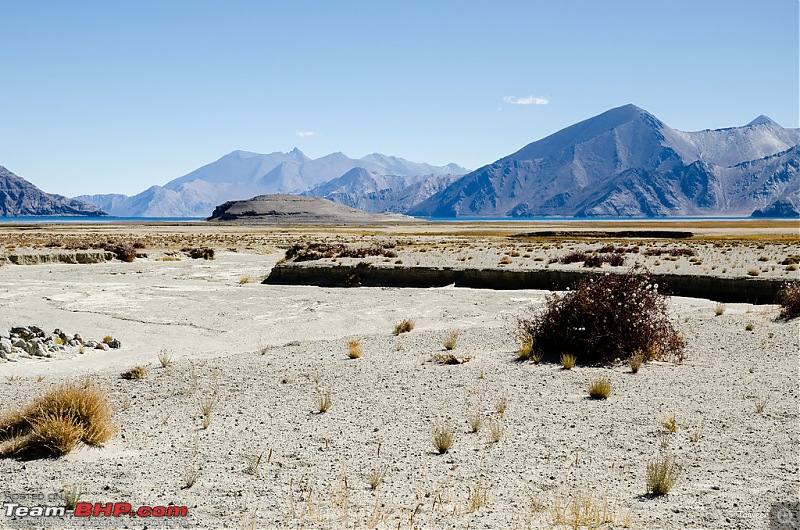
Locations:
(624, 162)
(18, 197)
(240, 175)
(627, 163)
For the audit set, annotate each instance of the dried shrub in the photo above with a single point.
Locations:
(354, 350)
(608, 318)
(137, 372)
(316, 251)
(200, 252)
(405, 326)
(54, 423)
(789, 300)
(675, 252)
(450, 340)
(122, 251)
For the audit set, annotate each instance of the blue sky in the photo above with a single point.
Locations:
(101, 97)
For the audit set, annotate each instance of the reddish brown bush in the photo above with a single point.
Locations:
(789, 300)
(605, 319)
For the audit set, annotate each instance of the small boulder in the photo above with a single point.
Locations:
(101, 346)
(114, 343)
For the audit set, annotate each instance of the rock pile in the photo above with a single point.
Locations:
(33, 341)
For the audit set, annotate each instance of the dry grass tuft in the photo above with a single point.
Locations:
(206, 406)
(165, 358)
(354, 350)
(761, 403)
(137, 372)
(450, 340)
(323, 399)
(599, 388)
(376, 476)
(478, 496)
(405, 326)
(497, 429)
(476, 420)
(662, 474)
(582, 511)
(719, 309)
(443, 436)
(668, 422)
(525, 348)
(567, 361)
(56, 422)
(252, 462)
(501, 406)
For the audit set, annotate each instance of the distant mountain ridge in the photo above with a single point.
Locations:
(627, 163)
(19, 198)
(240, 175)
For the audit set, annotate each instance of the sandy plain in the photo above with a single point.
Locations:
(265, 352)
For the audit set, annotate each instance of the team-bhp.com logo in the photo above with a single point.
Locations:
(96, 509)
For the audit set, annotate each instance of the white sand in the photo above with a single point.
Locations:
(557, 445)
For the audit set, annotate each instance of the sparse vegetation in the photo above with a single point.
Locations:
(252, 462)
(199, 252)
(206, 405)
(599, 388)
(583, 511)
(443, 436)
(478, 496)
(789, 300)
(323, 399)
(316, 251)
(662, 474)
(165, 358)
(137, 372)
(54, 423)
(190, 476)
(761, 403)
(749, 327)
(376, 476)
(450, 340)
(475, 420)
(719, 309)
(603, 319)
(525, 349)
(567, 361)
(496, 429)
(71, 494)
(668, 422)
(405, 326)
(354, 350)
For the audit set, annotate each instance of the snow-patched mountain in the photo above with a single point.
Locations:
(372, 192)
(240, 175)
(18, 197)
(626, 162)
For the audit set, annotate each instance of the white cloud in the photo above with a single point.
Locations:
(528, 100)
(303, 134)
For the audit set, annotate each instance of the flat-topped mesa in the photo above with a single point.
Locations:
(291, 208)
